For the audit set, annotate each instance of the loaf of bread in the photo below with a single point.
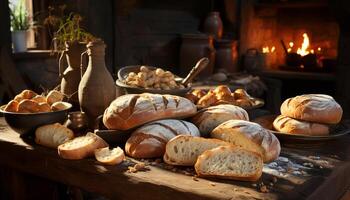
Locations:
(109, 156)
(230, 162)
(317, 108)
(81, 147)
(289, 125)
(53, 135)
(132, 110)
(250, 136)
(209, 118)
(149, 140)
(184, 150)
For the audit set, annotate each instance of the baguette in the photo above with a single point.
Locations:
(109, 156)
(81, 147)
(292, 126)
(317, 108)
(132, 110)
(149, 140)
(229, 162)
(184, 150)
(209, 118)
(250, 136)
(53, 135)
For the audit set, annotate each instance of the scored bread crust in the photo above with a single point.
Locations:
(318, 108)
(292, 126)
(209, 118)
(68, 150)
(53, 135)
(149, 140)
(249, 135)
(132, 110)
(231, 150)
(176, 154)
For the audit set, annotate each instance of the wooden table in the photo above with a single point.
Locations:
(328, 178)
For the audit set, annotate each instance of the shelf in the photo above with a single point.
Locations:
(34, 54)
(301, 4)
(281, 74)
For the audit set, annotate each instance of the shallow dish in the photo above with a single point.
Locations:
(336, 131)
(123, 73)
(26, 123)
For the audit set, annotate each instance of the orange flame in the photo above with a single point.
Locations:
(303, 51)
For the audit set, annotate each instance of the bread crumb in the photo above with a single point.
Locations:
(137, 167)
(195, 178)
(212, 184)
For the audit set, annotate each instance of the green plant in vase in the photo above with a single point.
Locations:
(20, 23)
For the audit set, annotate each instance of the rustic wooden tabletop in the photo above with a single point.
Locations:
(321, 172)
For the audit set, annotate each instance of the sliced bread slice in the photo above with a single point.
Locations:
(184, 150)
(109, 156)
(81, 147)
(229, 162)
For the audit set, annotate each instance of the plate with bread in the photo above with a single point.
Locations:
(308, 117)
(222, 95)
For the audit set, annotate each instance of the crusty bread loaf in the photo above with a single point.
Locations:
(317, 108)
(289, 125)
(81, 147)
(109, 156)
(12, 106)
(132, 110)
(209, 118)
(250, 136)
(149, 140)
(184, 150)
(230, 162)
(53, 135)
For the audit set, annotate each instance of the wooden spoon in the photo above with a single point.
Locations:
(200, 65)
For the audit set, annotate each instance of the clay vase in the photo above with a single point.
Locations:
(97, 88)
(69, 71)
(193, 48)
(213, 25)
(226, 55)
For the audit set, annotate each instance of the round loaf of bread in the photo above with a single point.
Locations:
(250, 136)
(318, 108)
(289, 125)
(209, 118)
(149, 140)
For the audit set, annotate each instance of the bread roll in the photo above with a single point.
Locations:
(44, 107)
(25, 94)
(289, 125)
(81, 147)
(132, 110)
(39, 99)
(54, 96)
(149, 140)
(229, 162)
(12, 106)
(184, 150)
(28, 106)
(60, 105)
(109, 156)
(250, 136)
(209, 118)
(53, 135)
(241, 94)
(317, 108)
(223, 93)
(207, 100)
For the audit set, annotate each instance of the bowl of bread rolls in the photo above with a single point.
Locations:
(147, 79)
(28, 110)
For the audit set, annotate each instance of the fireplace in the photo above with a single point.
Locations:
(291, 35)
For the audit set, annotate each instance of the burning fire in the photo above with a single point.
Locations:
(267, 49)
(303, 51)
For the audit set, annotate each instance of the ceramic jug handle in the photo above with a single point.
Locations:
(60, 63)
(82, 71)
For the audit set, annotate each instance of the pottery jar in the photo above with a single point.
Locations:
(97, 88)
(193, 48)
(69, 71)
(226, 55)
(213, 25)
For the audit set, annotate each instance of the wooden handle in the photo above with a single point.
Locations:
(200, 65)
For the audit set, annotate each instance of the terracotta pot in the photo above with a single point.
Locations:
(226, 55)
(213, 25)
(97, 88)
(70, 71)
(193, 48)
